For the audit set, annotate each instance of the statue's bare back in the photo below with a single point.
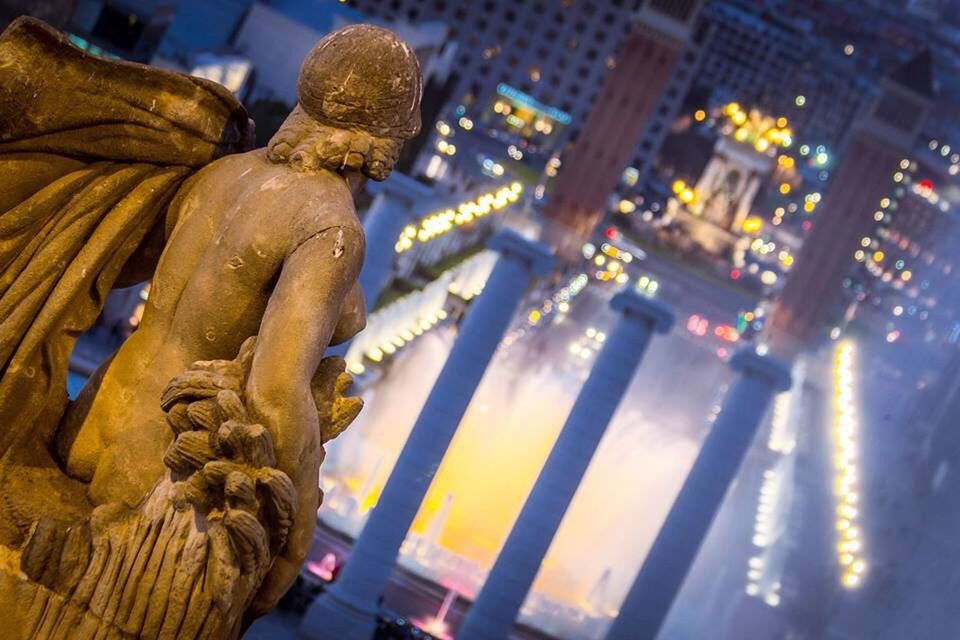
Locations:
(235, 225)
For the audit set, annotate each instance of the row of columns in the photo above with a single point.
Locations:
(349, 609)
(655, 588)
(497, 605)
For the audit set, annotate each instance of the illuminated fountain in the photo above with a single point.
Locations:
(653, 592)
(498, 603)
(437, 625)
(349, 609)
(504, 440)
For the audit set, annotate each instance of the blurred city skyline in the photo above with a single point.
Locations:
(783, 174)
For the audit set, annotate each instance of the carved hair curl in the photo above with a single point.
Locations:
(308, 145)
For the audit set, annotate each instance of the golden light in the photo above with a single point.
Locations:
(753, 224)
(878, 256)
(678, 186)
(687, 195)
(784, 188)
(845, 428)
(699, 115)
(627, 206)
(442, 222)
(781, 122)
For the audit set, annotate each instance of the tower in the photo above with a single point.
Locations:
(616, 121)
(877, 145)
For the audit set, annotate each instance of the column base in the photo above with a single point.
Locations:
(332, 617)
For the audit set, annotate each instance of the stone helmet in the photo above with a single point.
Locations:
(363, 78)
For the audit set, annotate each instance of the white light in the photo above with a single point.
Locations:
(433, 167)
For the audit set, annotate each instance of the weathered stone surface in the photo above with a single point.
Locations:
(176, 496)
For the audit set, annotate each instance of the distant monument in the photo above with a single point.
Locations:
(713, 212)
(176, 497)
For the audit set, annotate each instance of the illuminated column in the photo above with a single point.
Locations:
(652, 593)
(390, 212)
(348, 610)
(496, 607)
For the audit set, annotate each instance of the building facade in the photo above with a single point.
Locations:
(862, 181)
(592, 168)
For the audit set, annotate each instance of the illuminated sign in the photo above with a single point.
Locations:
(530, 102)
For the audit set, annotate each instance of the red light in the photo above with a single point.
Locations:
(734, 274)
(926, 185)
(611, 233)
(697, 326)
(807, 225)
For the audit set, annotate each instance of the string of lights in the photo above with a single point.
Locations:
(442, 222)
(850, 556)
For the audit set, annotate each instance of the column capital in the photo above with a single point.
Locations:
(631, 302)
(775, 370)
(402, 187)
(537, 255)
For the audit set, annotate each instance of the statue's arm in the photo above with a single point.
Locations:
(353, 316)
(297, 327)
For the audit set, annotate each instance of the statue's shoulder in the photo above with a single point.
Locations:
(323, 201)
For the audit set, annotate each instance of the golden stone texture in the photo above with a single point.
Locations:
(176, 497)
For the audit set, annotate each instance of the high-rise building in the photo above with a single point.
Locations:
(779, 63)
(54, 12)
(555, 52)
(143, 29)
(752, 53)
(905, 284)
(877, 146)
(611, 131)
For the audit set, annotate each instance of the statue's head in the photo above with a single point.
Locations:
(358, 101)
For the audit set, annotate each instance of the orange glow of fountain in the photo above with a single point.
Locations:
(437, 625)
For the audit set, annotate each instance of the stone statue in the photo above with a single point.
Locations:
(177, 496)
